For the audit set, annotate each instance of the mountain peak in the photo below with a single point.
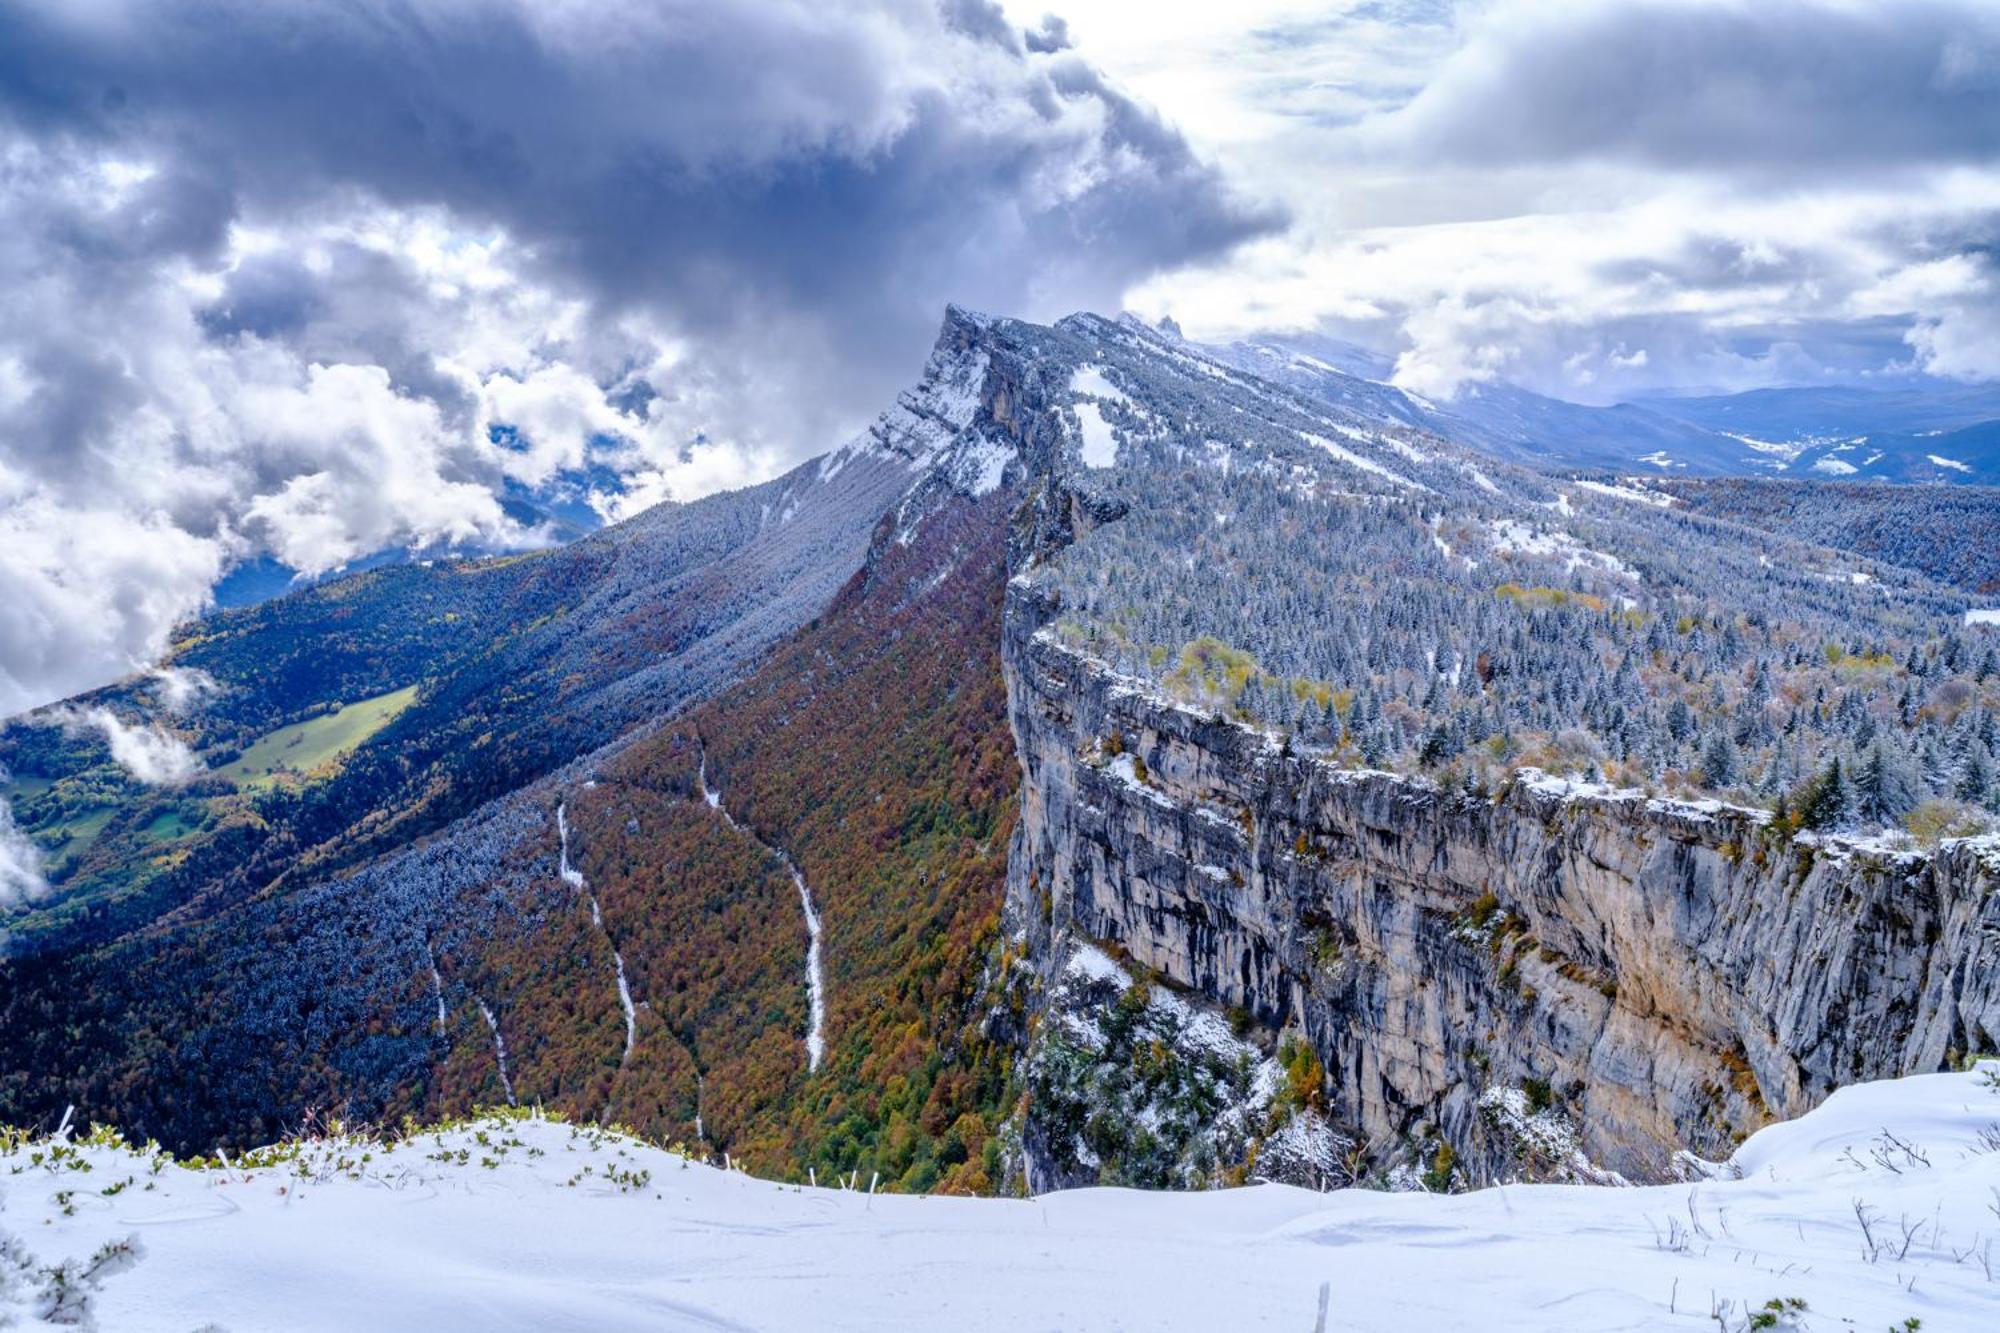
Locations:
(963, 326)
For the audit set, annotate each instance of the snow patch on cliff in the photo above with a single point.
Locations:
(1543, 1139)
(1098, 446)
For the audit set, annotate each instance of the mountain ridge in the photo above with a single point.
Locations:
(1157, 502)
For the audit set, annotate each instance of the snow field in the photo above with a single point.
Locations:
(1876, 1208)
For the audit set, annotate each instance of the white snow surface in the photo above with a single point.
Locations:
(1089, 380)
(1634, 493)
(437, 986)
(574, 878)
(499, 1047)
(1785, 451)
(815, 973)
(1354, 460)
(1952, 463)
(985, 466)
(1983, 616)
(1511, 536)
(547, 1226)
(1099, 446)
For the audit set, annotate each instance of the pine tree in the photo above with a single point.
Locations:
(1374, 744)
(1718, 762)
(1975, 775)
(1437, 748)
(1884, 789)
(1828, 799)
(1680, 720)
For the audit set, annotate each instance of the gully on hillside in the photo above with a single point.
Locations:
(815, 977)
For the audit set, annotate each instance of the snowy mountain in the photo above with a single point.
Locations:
(1114, 766)
(1873, 1211)
(1936, 432)
(1497, 418)
(1939, 431)
(1967, 455)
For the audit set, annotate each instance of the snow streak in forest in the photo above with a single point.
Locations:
(815, 976)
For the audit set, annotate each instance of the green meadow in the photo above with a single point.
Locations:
(293, 753)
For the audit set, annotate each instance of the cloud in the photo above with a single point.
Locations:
(1786, 86)
(149, 754)
(1051, 37)
(1955, 319)
(21, 880)
(88, 593)
(1603, 200)
(309, 280)
(813, 178)
(183, 690)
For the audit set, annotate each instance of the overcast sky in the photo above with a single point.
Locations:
(308, 280)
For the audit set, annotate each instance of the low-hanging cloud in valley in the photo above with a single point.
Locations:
(183, 690)
(21, 879)
(302, 280)
(151, 755)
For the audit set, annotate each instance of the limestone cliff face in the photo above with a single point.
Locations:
(1550, 982)
(1667, 976)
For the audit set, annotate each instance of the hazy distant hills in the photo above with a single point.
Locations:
(1928, 431)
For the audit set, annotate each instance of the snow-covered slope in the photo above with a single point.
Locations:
(1876, 1209)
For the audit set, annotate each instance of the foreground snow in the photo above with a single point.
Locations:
(1877, 1208)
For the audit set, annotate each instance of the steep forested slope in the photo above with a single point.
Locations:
(518, 665)
(1951, 534)
(869, 750)
(872, 751)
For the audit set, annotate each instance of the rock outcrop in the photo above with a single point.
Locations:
(1550, 980)
(1669, 975)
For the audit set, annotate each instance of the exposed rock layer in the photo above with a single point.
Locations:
(1675, 974)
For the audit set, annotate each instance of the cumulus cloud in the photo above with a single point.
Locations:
(88, 593)
(1955, 319)
(145, 751)
(1776, 86)
(309, 280)
(21, 880)
(1603, 199)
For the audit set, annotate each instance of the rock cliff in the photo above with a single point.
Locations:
(1666, 975)
(1550, 980)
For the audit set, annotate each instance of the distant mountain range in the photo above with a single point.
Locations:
(1928, 431)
